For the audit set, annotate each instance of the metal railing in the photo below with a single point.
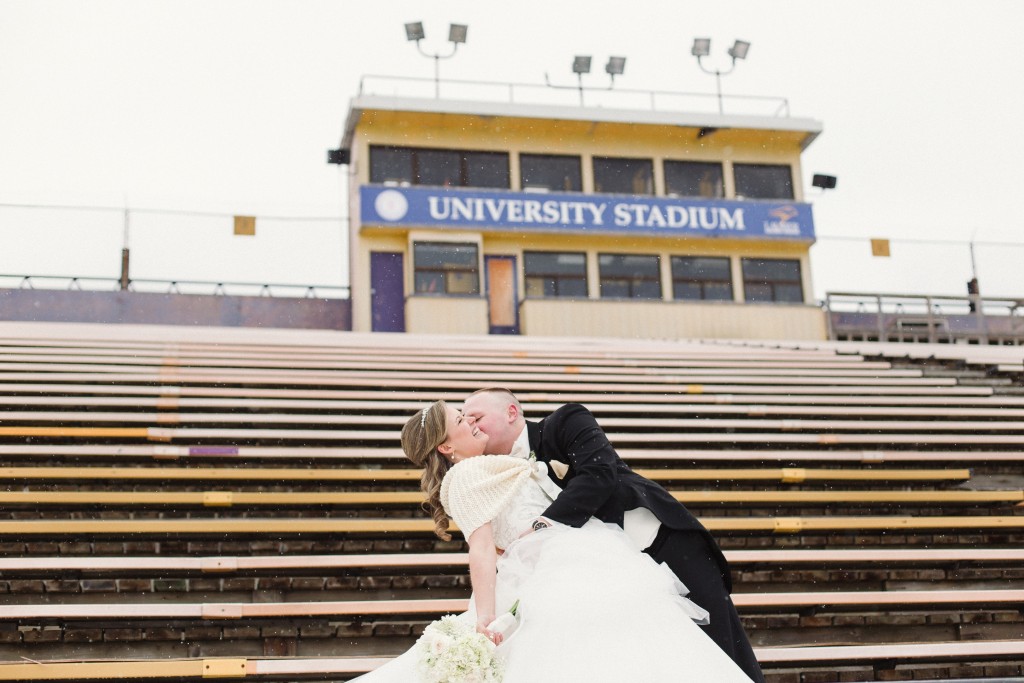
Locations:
(200, 287)
(924, 318)
(539, 93)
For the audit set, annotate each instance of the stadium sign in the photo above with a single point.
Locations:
(497, 210)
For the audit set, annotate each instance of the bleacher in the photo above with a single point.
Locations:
(186, 503)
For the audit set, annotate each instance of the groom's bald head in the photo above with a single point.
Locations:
(498, 414)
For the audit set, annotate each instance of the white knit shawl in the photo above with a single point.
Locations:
(475, 490)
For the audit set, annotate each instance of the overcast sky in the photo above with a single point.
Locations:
(229, 107)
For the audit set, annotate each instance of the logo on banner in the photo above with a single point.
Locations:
(391, 205)
(783, 223)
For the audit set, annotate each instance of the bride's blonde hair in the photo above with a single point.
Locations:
(421, 435)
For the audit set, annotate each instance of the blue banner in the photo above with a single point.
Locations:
(549, 212)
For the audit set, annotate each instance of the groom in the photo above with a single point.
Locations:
(597, 483)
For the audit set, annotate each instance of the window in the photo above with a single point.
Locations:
(772, 280)
(446, 268)
(485, 169)
(391, 165)
(550, 172)
(701, 278)
(440, 167)
(693, 179)
(763, 181)
(628, 276)
(551, 274)
(623, 176)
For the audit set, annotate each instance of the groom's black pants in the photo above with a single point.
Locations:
(687, 554)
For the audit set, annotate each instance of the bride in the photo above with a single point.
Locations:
(591, 607)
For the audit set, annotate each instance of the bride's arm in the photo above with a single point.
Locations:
(483, 562)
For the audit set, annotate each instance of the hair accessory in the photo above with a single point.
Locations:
(423, 417)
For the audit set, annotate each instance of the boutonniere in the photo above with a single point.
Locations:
(532, 457)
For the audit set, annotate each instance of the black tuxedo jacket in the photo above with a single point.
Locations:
(599, 484)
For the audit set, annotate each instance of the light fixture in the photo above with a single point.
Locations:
(457, 33)
(739, 49)
(456, 36)
(701, 47)
(581, 64)
(615, 66)
(414, 31)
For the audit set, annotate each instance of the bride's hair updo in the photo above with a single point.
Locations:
(421, 435)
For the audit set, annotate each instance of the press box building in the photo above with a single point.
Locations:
(504, 218)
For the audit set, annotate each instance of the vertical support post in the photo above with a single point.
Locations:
(125, 279)
(718, 82)
(932, 338)
(880, 318)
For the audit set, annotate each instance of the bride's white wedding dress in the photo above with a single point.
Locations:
(591, 606)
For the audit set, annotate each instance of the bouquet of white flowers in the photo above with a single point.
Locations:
(451, 651)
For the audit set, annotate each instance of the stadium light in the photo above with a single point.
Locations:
(702, 48)
(739, 49)
(581, 64)
(414, 31)
(616, 66)
(457, 33)
(456, 36)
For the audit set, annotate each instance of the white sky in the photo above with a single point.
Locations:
(229, 106)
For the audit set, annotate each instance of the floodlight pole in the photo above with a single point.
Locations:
(718, 73)
(437, 57)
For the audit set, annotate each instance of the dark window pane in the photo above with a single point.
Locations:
(614, 289)
(687, 290)
(628, 265)
(623, 176)
(693, 179)
(646, 289)
(486, 169)
(702, 277)
(629, 276)
(438, 167)
(758, 292)
(771, 269)
(429, 282)
(763, 181)
(555, 173)
(793, 293)
(441, 167)
(572, 286)
(718, 291)
(445, 268)
(772, 280)
(538, 286)
(555, 274)
(701, 268)
(390, 165)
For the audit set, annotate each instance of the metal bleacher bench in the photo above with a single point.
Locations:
(269, 526)
(224, 498)
(276, 668)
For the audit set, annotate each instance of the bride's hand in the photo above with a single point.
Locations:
(481, 627)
